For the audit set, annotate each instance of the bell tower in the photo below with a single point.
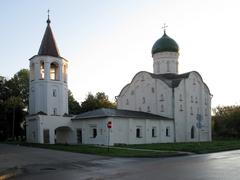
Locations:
(48, 91)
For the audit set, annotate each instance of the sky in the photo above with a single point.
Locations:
(107, 42)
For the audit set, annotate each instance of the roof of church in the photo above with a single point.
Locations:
(107, 112)
(172, 80)
(48, 45)
(165, 44)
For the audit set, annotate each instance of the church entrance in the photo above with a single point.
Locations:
(63, 135)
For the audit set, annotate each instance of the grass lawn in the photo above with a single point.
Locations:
(199, 148)
(89, 149)
(144, 150)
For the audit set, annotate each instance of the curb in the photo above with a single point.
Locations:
(9, 173)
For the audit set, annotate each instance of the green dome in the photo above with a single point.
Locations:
(165, 44)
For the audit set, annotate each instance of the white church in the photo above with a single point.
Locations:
(157, 107)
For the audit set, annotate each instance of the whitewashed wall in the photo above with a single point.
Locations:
(41, 91)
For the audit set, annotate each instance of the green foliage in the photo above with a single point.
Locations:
(73, 105)
(13, 103)
(100, 100)
(226, 122)
(194, 147)
(19, 86)
(100, 150)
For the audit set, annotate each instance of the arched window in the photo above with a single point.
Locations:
(192, 132)
(143, 100)
(65, 73)
(54, 71)
(161, 97)
(127, 102)
(148, 109)
(181, 107)
(167, 131)
(138, 132)
(42, 71)
(32, 72)
(191, 99)
(180, 97)
(162, 108)
(154, 132)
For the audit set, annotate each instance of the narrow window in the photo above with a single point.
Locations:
(180, 97)
(153, 90)
(194, 81)
(167, 131)
(196, 100)
(162, 108)
(127, 102)
(54, 93)
(191, 99)
(143, 100)
(138, 132)
(79, 136)
(54, 111)
(94, 132)
(168, 66)
(181, 107)
(161, 97)
(192, 132)
(42, 72)
(154, 132)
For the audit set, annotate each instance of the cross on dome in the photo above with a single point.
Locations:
(164, 27)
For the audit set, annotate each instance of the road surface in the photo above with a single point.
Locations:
(48, 164)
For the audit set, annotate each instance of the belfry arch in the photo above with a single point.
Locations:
(54, 71)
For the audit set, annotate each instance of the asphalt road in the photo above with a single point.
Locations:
(48, 164)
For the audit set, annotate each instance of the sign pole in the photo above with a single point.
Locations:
(109, 126)
(108, 138)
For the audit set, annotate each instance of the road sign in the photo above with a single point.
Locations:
(109, 124)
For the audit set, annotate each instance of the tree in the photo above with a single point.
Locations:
(100, 100)
(73, 105)
(19, 85)
(226, 122)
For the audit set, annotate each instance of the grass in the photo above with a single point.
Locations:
(98, 150)
(146, 150)
(194, 147)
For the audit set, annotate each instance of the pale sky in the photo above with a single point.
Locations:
(107, 42)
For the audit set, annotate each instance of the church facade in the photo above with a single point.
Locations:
(157, 107)
(183, 97)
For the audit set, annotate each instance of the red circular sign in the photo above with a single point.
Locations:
(109, 124)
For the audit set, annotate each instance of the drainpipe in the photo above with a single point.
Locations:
(173, 113)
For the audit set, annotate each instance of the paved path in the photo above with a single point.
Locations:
(15, 157)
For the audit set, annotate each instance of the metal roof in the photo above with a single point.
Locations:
(107, 112)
